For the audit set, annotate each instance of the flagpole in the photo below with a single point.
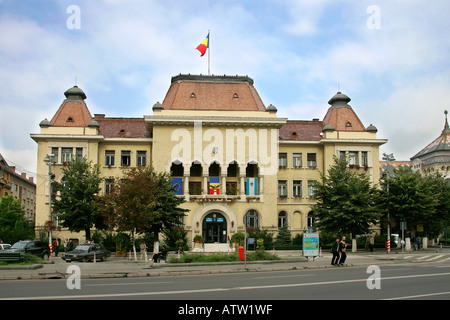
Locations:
(209, 52)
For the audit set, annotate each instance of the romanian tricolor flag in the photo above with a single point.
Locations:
(203, 46)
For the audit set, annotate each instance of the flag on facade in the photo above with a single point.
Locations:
(252, 187)
(202, 47)
(177, 185)
(214, 185)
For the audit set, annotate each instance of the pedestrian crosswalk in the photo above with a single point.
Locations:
(428, 257)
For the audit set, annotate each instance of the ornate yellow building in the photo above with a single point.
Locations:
(231, 157)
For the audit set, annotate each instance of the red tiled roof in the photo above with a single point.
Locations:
(301, 130)
(122, 127)
(343, 119)
(72, 114)
(226, 93)
(341, 115)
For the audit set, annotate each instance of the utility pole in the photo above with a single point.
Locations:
(388, 157)
(48, 159)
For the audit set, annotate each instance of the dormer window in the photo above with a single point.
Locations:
(69, 119)
(122, 132)
(235, 96)
(348, 124)
(192, 95)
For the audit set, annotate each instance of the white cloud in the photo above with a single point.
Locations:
(125, 54)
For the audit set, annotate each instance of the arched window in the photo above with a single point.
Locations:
(214, 169)
(176, 170)
(251, 219)
(196, 169)
(282, 219)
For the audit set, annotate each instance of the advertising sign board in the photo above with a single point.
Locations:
(310, 244)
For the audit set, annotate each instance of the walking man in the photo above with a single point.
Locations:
(342, 250)
(144, 251)
(335, 252)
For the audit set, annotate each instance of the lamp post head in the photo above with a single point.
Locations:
(48, 158)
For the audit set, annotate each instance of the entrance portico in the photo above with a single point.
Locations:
(216, 223)
(214, 228)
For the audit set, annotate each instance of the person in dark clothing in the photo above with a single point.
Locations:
(335, 252)
(342, 250)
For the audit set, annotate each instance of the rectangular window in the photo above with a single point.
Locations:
(141, 158)
(195, 188)
(79, 152)
(353, 158)
(55, 155)
(282, 188)
(66, 154)
(282, 160)
(231, 188)
(297, 160)
(364, 158)
(297, 188)
(109, 185)
(110, 156)
(125, 158)
(312, 160)
(311, 188)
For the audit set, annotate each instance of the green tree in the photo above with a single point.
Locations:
(77, 195)
(407, 196)
(284, 235)
(345, 201)
(144, 201)
(418, 200)
(13, 227)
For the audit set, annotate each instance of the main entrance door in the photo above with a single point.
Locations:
(215, 228)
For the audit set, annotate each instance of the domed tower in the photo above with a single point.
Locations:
(435, 157)
(341, 115)
(73, 112)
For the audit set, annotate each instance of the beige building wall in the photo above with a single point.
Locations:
(235, 132)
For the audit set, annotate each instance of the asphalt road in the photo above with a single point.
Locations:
(409, 281)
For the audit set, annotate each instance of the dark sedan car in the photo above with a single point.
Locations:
(87, 252)
(34, 247)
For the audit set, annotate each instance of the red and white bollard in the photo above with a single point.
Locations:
(94, 257)
(388, 245)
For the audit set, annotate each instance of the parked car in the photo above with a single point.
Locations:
(4, 246)
(34, 247)
(87, 252)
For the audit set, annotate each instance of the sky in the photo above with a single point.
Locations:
(391, 57)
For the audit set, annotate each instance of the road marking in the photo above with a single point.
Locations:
(291, 276)
(436, 257)
(423, 257)
(420, 296)
(134, 294)
(124, 284)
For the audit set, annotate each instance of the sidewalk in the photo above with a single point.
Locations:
(115, 267)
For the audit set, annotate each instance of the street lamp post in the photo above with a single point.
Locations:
(388, 157)
(48, 159)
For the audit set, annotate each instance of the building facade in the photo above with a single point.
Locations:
(435, 157)
(19, 186)
(233, 159)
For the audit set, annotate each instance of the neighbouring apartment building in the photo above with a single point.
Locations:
(232, 158)
(19, 186)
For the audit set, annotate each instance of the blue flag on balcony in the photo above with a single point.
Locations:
(177, 184)
(252, 187)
